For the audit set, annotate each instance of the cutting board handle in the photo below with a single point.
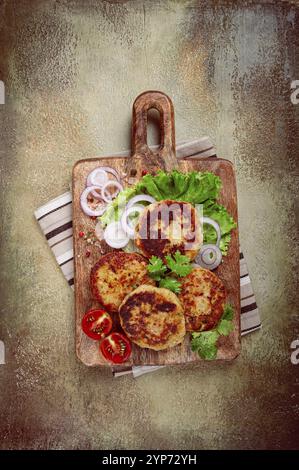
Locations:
(164, 157)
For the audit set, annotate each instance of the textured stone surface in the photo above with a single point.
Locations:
(72, 70)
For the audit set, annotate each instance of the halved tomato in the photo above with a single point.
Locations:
(116, 348)
(97, 324)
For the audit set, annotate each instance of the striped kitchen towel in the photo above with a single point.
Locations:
(55, 220)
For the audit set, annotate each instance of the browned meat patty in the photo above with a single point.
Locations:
(153, 317)
(203, 297)
(115, 275)
(168, 226)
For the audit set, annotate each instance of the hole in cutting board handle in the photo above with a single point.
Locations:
(153, 131)
(164, 156)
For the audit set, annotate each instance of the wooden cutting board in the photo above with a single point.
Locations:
(145, 159)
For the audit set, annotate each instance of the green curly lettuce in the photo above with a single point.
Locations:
(115, 208)
(205, 342)
(226, 223)
(193, 187)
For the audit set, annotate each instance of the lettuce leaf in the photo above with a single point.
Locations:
(219, 213)
(116, 207)
(193, 187)
(228, 312)
(205, 342)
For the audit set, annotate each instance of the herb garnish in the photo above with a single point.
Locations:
(177, 265)
(171, 283)
(156, 268)
(205, 342)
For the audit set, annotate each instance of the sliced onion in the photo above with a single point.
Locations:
(209, 257)
(110, 170)
(115, 236)
(84, 203)
(140, 198)
(111, 196)
(213, 223)
(99, 231)
(97, 177)
(127, 227)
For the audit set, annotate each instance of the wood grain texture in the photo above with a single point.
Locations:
(144, 158)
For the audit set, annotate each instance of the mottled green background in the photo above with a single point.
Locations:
(72, 70)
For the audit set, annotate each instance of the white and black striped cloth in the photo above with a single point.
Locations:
(55, 220)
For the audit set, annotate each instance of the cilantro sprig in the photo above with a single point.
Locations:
(166, 273)
(171, 283)
(179, 264)
(205, 342)
(156, 268)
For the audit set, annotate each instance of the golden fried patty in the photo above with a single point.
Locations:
(115, 275)
(203, 297)
(153, 317)
(167, 226)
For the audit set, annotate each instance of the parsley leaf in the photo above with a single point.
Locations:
(228, 312)
(179, 264)
(224, 327)
(156, 268)
(205, 342)
(171, 284)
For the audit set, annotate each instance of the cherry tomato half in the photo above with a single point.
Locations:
(116, 348)
(96, 324)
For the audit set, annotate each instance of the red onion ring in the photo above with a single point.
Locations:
(140, 198)
(110, 170)
(84, 203)
(204, 258)
(91, 178)
(112, 196)
(129, 230)
(94, 180)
